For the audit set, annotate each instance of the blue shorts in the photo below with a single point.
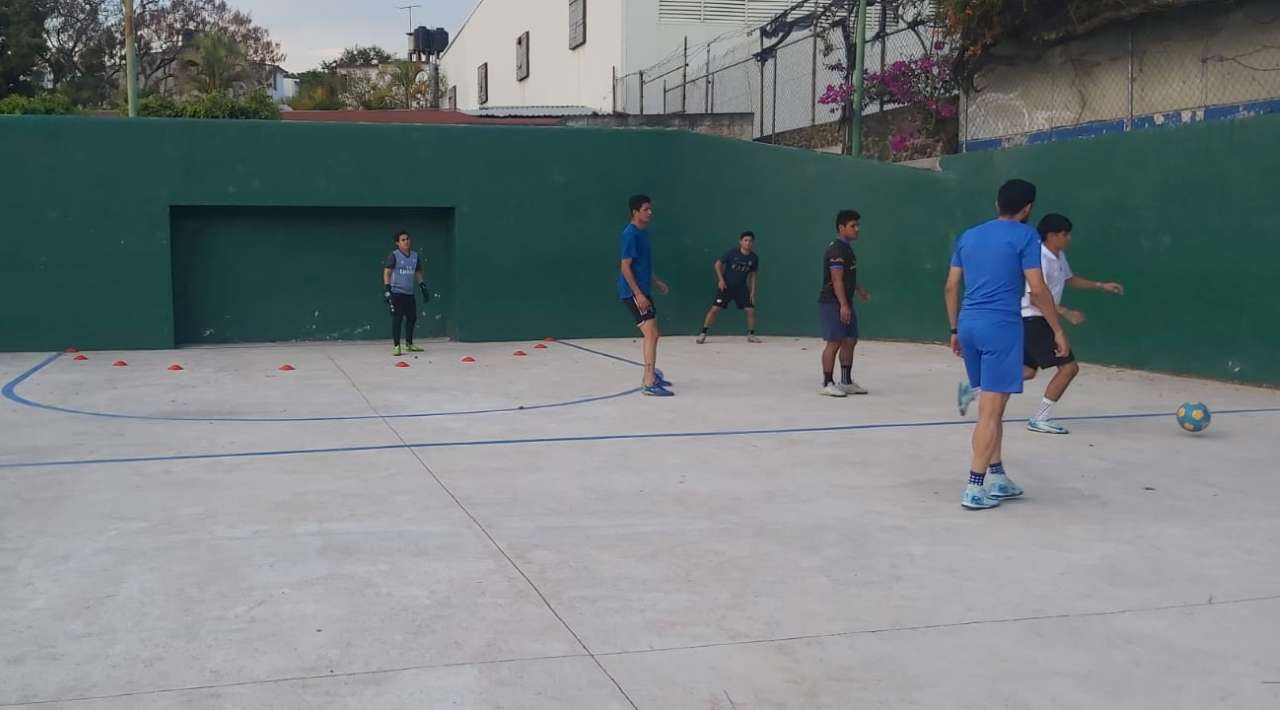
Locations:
(833, 329)
(993, 353)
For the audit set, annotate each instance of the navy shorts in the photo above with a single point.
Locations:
(638, 315)
(833, 329)
(993, 353)
(739, 296)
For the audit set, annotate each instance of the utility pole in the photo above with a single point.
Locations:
(131, 58)
(859, 69)
(410, 8)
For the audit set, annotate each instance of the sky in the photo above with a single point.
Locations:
(312, 31)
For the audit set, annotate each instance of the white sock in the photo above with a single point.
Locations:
(1046, 408)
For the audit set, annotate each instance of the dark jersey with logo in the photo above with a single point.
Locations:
(839, 255)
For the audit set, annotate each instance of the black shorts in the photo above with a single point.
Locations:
(638, 315)
(1038, 345)
(404, 304)
(740, 296)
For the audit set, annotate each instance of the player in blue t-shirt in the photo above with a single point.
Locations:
(635, 285)
(998, 261)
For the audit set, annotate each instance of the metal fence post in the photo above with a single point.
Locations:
(1128, 123)
(706, 98)
(773, 122)
(760, 63)
(641, 72)
(615, 89)
(684, 79)
(813, 79)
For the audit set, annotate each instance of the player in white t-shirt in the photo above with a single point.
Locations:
(1055, 237)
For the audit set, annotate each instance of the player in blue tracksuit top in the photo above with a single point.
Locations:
(998, 261)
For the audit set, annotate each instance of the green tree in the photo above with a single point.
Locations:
(318, 91)
(22, 44)
(85, 49)
(406, 82)
(219, 64)
(359, 56)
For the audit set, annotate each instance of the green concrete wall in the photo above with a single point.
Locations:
(254, 274)
(1181, 216)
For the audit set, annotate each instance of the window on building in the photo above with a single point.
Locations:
(577, 23)
(726, 11)
(522, 56)
(482, 84)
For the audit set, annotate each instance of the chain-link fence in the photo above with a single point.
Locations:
(1201, 62)
(780, 72)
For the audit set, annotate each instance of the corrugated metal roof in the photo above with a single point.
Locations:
(533, 111)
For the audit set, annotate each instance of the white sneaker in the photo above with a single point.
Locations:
(701, 339)
(753, 339)
(853, 388)
(832, 390)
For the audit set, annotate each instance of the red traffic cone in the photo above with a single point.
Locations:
(540, 346)
(71, 350)
(468, 359)
(176, 367)
(79, 358)
(402, 363)
(549, 339)
(119, 363)
(286, 368)
(520, 353)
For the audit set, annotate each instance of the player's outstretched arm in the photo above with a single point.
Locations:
(1108, 286)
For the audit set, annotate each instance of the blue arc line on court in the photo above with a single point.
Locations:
(601, 354)
(580, 439)
(10, 392)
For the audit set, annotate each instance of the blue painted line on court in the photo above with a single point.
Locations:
(601, 354)
(581, 439)
(10, 392)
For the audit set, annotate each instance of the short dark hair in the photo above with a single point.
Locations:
(1052, 224)
(1015, 195)
(747, 233)
(844, 217)
(637, 202)
(399, 233)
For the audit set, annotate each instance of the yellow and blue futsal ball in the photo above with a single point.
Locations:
(1194, 416)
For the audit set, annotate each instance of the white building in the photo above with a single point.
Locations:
(566, 52)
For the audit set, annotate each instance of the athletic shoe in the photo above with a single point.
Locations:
(977, 498)
(660, 380)
(853, 388)
(964, 397)
(832, 390)
(1001, 487)
(754, 339)
(395, 352)
(1046, 426)
(702, 338)
(657, 390)
(413, 348)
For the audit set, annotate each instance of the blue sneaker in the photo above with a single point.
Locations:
(977, 498)
(659, 379)
(964, 397)
(1000, 487)
(657, 390)
(1046, 426)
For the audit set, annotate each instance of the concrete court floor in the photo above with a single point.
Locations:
(558, 557)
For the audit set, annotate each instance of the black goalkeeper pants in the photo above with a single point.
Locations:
(404, 309)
